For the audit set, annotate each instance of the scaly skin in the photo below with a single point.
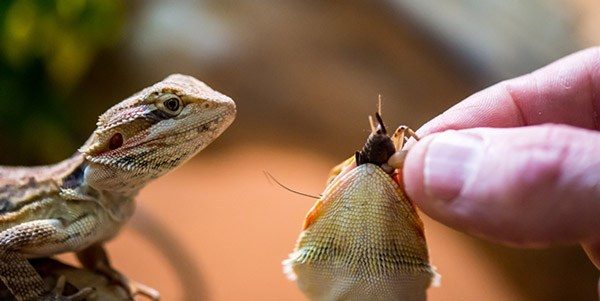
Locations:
(79, 203)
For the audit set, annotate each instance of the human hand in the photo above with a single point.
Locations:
(519, 162)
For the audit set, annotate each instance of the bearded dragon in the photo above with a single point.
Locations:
(78, 204)
(363, 239)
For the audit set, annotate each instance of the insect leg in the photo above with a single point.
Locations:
(403, 132)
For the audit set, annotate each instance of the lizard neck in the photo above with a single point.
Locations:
(76, 187)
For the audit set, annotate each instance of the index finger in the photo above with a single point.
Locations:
(566, 91)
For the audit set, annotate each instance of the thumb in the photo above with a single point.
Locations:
(529, 186)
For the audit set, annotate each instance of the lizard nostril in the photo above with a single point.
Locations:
(115, 141)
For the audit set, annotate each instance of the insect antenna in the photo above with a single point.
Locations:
(271, 177)
(372, 124)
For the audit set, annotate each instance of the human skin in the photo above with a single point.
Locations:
(519, 162)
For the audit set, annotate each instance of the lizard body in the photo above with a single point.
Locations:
(81, 202)
(363, 239)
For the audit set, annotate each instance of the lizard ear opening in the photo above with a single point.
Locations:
(115, 141)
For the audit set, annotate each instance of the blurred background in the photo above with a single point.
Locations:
(305, 75)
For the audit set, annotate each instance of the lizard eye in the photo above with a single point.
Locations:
(170, 104)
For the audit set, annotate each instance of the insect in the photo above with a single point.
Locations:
(363, 239)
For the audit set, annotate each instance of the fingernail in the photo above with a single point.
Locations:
(452, 157)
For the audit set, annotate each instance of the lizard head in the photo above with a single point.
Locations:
(153, 132)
